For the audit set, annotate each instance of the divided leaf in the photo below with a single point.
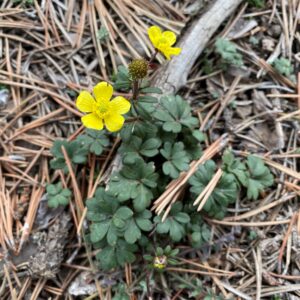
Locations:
(134, 181)
(259, 177)
(109, 219)
(94, 141)
(223, 194)
(228, 52)
(174, 223)
(234, 166)
(177, 159)
(137, 147)
(57, 195)
(113, 256)
(175, 113)
(122, 79)
(76, 153)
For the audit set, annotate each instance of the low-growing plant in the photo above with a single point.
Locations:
(228, 52)
(159, 139)
(57, 195)
(284, 67)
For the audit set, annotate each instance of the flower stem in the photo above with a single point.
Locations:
(135, 90)
(153, 56)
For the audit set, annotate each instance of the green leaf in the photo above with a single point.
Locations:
(191, 144)
(111, 219)
(102, 33)
(174, 223)
(259, 177)
(198, 135)
(139, 179)
(52, 189)
(151, 90)
(99, 230)
(234, 166)
(137, 147)
(182, 217)
(283, 66)
(177, 159)
(57, 195)
(228, 52)
(224, 193)
(138, 128)
(119, 223)
(76, 153)
(176, 231)
(144, 224)
(174, 113)
(132, 233)
(107, 258)
(124, 213)
(95, 141)
(121, 80)
(112, 236)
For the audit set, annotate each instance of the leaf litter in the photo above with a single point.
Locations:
(49, 51)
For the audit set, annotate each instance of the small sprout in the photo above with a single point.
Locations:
(252, 235)
(138, 69)
(283, 66)
(102, 33)
(228, 52)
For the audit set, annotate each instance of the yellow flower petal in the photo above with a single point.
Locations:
(103, 92)
(114, 122)
(119, 105)
(85, 102)
(92, 121)
(170, 37)
(154, 33)
(171, 51)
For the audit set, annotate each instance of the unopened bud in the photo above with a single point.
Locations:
(138, 69)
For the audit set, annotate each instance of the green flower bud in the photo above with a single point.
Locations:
(138, 69)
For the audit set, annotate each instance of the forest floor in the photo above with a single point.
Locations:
(51, 50)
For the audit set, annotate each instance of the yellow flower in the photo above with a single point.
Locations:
(163, 41)
(101, 110)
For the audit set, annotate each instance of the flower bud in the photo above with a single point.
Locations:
(160, 262)
(138, 69)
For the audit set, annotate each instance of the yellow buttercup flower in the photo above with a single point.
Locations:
(101, 110)
(163, 41)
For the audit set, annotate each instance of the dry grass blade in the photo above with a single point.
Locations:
(35, 198)
(173, 190)
(77, 194)
(203, 197)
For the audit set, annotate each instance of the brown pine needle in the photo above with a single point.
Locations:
(203, 197)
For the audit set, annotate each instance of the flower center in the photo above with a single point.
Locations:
(162, 43)
(102, 110)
